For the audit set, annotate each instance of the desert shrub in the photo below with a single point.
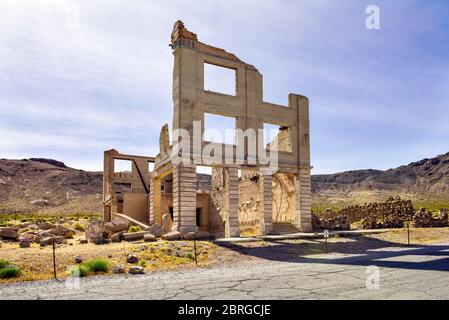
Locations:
(24, 230)
(190, 255)
(78, 227)
(9, 272)
(89, 267)
(134, 229)
(4, 263)
(142, 263)
(97, 265)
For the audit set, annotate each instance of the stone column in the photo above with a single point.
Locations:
(232, 197)
(108, 171)
(184, 198)
(155, 201)
(266, 203)
(303, 200)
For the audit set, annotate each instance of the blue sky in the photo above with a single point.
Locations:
(71, 88)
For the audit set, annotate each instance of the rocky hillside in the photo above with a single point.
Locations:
(49, 186)
(44, 185)
(425, 179)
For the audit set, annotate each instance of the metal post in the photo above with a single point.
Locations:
(408, 234)
(194, 250)
(407, 226)
(54, 259)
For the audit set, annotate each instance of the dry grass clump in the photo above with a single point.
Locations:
(8, 270)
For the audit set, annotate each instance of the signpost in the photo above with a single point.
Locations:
(407, 226)
(54, 260)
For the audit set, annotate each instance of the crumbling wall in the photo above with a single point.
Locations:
(217, 205)
(426, 219)
(283, 198)
(249, 201)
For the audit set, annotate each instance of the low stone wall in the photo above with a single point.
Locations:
(336, 223)
(425, 219)
(392, 213)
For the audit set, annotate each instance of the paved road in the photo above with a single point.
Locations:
(405, 273)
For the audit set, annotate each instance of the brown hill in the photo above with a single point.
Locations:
(426, 179)
(45, 185)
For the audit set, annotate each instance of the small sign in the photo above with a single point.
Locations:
(326, 233)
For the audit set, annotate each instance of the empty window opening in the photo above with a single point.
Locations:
(219, 79)
(150, 166)
(277, 137)
(123, 166)
(167, 184)
(198, 217)
(204, 170)
(219, 129)
(170, 210)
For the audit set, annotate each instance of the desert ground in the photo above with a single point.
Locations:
(36, 262)
(285, 269)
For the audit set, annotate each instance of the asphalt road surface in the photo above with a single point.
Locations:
(383, 273)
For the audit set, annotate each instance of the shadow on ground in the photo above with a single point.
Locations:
(359, 250)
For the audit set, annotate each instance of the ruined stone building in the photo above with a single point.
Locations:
(237, 199)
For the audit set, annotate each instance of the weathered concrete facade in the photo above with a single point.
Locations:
(171, 191)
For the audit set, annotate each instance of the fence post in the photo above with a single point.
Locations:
(194, 250)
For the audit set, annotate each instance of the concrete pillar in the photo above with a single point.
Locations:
(184, 198)
(303, 200)
(232, 198)
(108, 171)
(107, 213)
(155, 201)
(266, 203)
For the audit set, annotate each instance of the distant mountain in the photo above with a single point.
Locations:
(46, 185)
(428, 178)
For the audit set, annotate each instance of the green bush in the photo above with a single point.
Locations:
(97, 265)
(90, 267)
(80, 270)
(190, 255)
(78, 227)
(4, 263)
(9, 272)
(134, 229)
(142, 263)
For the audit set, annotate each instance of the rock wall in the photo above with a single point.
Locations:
(392, 213)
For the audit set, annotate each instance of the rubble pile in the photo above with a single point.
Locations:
(425, 219)
(339, 222)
